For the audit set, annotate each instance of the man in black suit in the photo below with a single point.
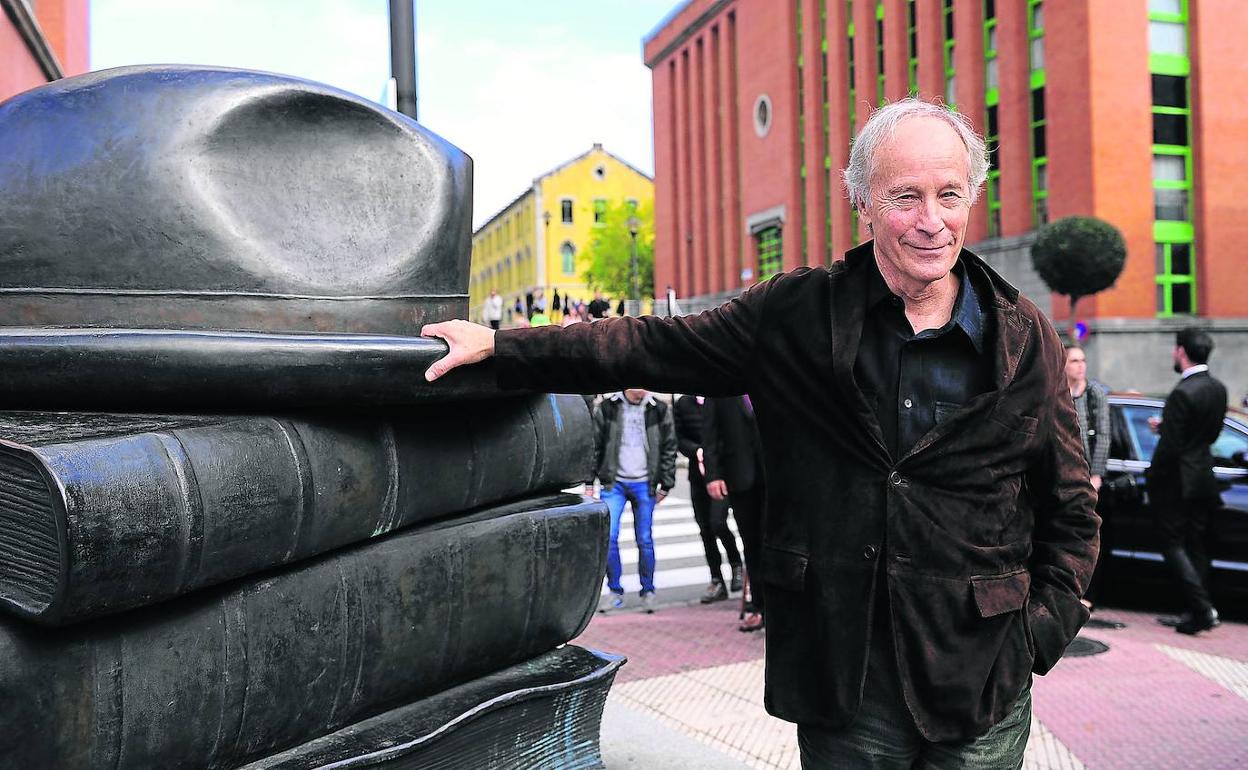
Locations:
(734, 470)
(711, 515)
(1181, 481)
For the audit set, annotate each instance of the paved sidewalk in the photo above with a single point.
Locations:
(691, 697)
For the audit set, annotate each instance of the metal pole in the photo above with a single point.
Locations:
(403, 54)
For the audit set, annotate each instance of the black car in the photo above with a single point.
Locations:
(1130, 543)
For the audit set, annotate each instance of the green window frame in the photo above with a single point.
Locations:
(568, 253)
(1174, 233)
(912, 49)
(770, 247)
(992, 136)
(948, 49)
(879, 53)
(1039, 116)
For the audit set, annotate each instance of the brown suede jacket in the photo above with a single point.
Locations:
(986, 525)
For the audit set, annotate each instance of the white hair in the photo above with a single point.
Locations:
(883, 123)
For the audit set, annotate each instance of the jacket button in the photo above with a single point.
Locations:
(895, 479)
(868, 553)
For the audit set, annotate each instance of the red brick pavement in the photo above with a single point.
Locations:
(674, 639)
(1135, 706)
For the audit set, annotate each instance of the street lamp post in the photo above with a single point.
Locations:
(633, 225)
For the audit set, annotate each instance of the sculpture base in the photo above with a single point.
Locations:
(545, 712)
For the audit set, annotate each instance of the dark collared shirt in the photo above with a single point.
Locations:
(913, 381)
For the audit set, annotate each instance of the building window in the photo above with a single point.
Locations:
(879, 53)
(631, 203)
(762, 115)
(950, 80)
(600, 211)
(565, 209)
(1167, 37)
(992, 186)
(912, 49)
(1173, 227)
(568, 252)
(770, 254)
(600, 172)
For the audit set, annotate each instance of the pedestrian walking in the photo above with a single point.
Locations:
(635, 461)
(598, 307)
(1181, 484)
(734, 473)
(493, 312)
(930, 526)
(1091, 402)
(710, 515)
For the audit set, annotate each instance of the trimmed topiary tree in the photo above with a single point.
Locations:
(1078, 256)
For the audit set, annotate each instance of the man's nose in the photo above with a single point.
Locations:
(930, 221)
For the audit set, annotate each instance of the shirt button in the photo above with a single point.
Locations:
(908, 403)
(868, 553)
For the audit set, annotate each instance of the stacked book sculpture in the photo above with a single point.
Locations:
(237, 529)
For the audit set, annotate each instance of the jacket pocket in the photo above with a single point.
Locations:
(784, 569)
(998, 594)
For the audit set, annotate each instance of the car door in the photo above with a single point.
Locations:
(1229, 542)
(1128, 528)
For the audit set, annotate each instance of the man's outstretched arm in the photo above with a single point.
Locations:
(710, 353)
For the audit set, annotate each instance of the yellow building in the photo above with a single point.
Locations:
(533, 245)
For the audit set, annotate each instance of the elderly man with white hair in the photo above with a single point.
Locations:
(930, 525)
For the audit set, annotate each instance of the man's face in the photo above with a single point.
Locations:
(635, 395)
(1076, 365)
(920, 201)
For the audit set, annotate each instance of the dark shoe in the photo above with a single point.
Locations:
(1174, 621)
(752, 622)
(1195, 625)
(735, 584)
(715, 592)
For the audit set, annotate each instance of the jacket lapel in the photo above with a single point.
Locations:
(848, 300)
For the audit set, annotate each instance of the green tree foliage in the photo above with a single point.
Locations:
(1078, 256)
(608, 257)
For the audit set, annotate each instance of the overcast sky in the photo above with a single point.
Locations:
(520, 86)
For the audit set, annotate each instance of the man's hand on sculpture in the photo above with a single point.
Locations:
(469, 344)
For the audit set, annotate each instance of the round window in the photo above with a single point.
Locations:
(762, 115)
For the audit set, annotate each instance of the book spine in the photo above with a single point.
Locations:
(150, 516)
(237, 673)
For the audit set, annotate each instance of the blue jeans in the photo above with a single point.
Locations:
(639, 495)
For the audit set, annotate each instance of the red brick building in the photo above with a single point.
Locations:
(1128, 110)
(41, 41)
